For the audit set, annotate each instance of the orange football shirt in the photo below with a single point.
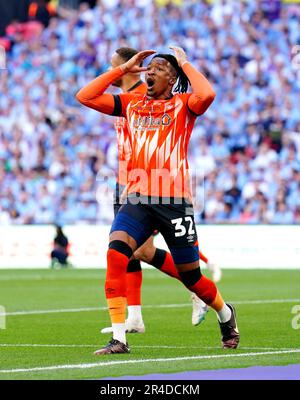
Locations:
(159, 130)
(159, 134)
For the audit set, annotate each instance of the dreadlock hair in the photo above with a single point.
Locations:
(126, 53)
(183, 81)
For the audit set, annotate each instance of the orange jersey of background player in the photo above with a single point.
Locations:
(159, 134)
(124, 140)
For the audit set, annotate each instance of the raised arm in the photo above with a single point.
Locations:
(203, 93)
(93, 96)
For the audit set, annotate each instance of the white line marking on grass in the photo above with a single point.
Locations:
(274, 301)
(63, 310)
(135, 346)
(211, 347)
(235, 302)
(181, 305)
(143, 361)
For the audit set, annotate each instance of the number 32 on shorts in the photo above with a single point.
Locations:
(180, 229)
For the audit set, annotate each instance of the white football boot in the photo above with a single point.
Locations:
(200, 309)
(132, 326)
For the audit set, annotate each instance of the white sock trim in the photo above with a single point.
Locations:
(134, 313)
(224, 314)
(119, 332)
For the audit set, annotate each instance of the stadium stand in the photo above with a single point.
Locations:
(55, 155)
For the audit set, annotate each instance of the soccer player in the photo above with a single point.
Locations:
(158, 193)
(147, 252)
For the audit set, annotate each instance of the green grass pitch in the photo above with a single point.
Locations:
(60, 344)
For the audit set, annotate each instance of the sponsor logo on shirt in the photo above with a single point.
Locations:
(149, 122)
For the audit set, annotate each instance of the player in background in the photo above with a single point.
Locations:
(60, 253)
(160, 127)
(147, 252)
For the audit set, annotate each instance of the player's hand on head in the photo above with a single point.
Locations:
(133, 65)
(180, 54)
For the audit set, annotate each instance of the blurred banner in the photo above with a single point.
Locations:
(231, 246)
(75, 3)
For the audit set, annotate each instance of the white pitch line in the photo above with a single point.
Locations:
(181, 305)
(64, 310)
(274, 301)
(135, 346)
(211, 347)
(237, 302)
(143, 361)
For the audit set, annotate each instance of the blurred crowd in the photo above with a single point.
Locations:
(57, 158)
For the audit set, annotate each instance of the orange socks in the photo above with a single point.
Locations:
(169, 268)
(117, 309)
(134, 283)
(218, 302)
(205, 289)
(115, 283)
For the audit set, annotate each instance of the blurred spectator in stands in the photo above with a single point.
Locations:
(282, 215)
(247, 215)
(60, 252)
(297, 216)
